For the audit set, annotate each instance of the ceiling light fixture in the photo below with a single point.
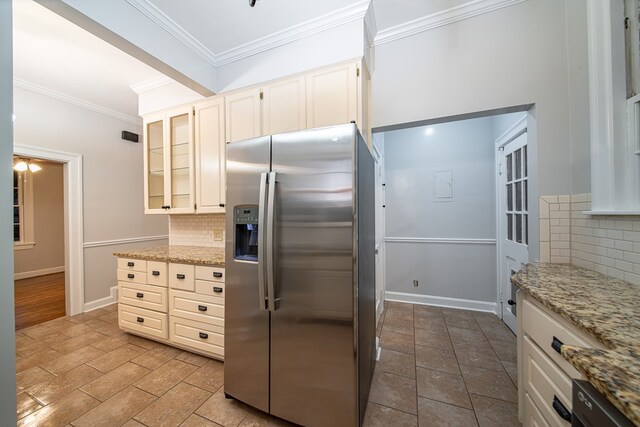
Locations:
(22, 165)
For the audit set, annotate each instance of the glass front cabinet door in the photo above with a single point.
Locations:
(168, 162)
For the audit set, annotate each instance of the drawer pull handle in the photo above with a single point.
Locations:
(556, 344)
(140, 320)
(217, 274)
(139, 295)
(202, 307)
(155, 273)
(203, 335)
(561, 410)
(511, 302)
(180, 276)
(217, 290)
(130, 264)
(130, 276)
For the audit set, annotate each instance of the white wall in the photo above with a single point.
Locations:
(113, 197)
(48, 222)
(445, 268)
(517, 55)
(7, 321)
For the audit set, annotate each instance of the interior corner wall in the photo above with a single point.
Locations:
(327, 47)
(113, 193)
(7, 320)
(516, 55)
(48, 222)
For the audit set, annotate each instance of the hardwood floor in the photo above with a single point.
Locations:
(39, 299)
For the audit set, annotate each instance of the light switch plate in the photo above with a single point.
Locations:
(217, 235)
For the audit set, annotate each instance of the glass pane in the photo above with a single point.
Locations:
(15, 178)
(525, 229)
(509, 170)
(524, 162)
(16, 233)
(16, 199)
(16, 215)
(526, 195)
(518, 163)
(154, 135)
(518, 195)
(518, 227)
(509, 227)
(155, 159)
(179, 129)
(509, 197)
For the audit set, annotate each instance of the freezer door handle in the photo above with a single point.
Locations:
(271, 201)
(262, 202)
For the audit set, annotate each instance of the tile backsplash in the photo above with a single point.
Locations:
(607, 244)
(197, 230)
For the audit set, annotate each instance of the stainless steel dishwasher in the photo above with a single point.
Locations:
(592, 409)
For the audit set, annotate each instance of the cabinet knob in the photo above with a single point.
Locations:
(221, 205)
(217, 290)
(202, 308)
(511, 302)
(203, 335)
(180, 276)
(130, 276)
(139, 295)
(140, 320)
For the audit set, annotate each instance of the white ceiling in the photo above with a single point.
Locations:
(50, 51)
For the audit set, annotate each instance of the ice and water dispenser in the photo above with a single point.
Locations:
(245, 219)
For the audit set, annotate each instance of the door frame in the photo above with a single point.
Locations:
(518, 128)
(73, 221)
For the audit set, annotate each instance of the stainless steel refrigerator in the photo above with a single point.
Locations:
(300, 299)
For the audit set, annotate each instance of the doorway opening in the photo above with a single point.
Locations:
(38, 240)
(451, 221)
(71, 165)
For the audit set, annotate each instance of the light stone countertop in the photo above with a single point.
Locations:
(177, 254)
(604, 307)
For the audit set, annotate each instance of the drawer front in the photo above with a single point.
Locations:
(549, 333)
(132, 276)
(215, 274)
(145, 296)
(545, 383)
(196, 307)
(157, 273)
(140, 320)
(132, 264)
(182, 276)
(213, 289)
(200, 336)
(532, 416)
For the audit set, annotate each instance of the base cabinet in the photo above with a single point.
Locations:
(165, 302)
(544, 376)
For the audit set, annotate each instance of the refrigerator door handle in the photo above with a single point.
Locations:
(261, 241)
(271, 298)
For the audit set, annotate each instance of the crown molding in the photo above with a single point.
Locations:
(32, 87)
(308, 28)
(151, 84)
(370, 25)
(170, 26)
(439, 19)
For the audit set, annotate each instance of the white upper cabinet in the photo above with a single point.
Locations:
(168, 160)
(210, 156)
(284, 106)
(243, 115)
(332, 96)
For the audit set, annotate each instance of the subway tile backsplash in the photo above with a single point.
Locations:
(607, 244)
(197, 230)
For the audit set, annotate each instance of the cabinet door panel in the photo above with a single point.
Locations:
(154, 164)
(332, 96)
(242, 115)
(284, 107)
(180, 161)
(210, 156)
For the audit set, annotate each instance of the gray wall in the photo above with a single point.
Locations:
(113, 195)
(445, 269)
(7, 325)
(48, 221)
(517, 55)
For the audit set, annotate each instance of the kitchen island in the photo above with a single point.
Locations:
(606, 309)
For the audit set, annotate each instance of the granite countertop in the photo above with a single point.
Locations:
(178, 254)
(604, 307)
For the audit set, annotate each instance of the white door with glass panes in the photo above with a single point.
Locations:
(514, 234)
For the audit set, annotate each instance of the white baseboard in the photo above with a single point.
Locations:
(378, 349)
(102, 302)
(36, 273)
(466, 304)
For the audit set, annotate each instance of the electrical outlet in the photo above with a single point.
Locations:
(415, 283)
(217, 235)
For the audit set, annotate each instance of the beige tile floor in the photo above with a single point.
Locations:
(438, 368)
